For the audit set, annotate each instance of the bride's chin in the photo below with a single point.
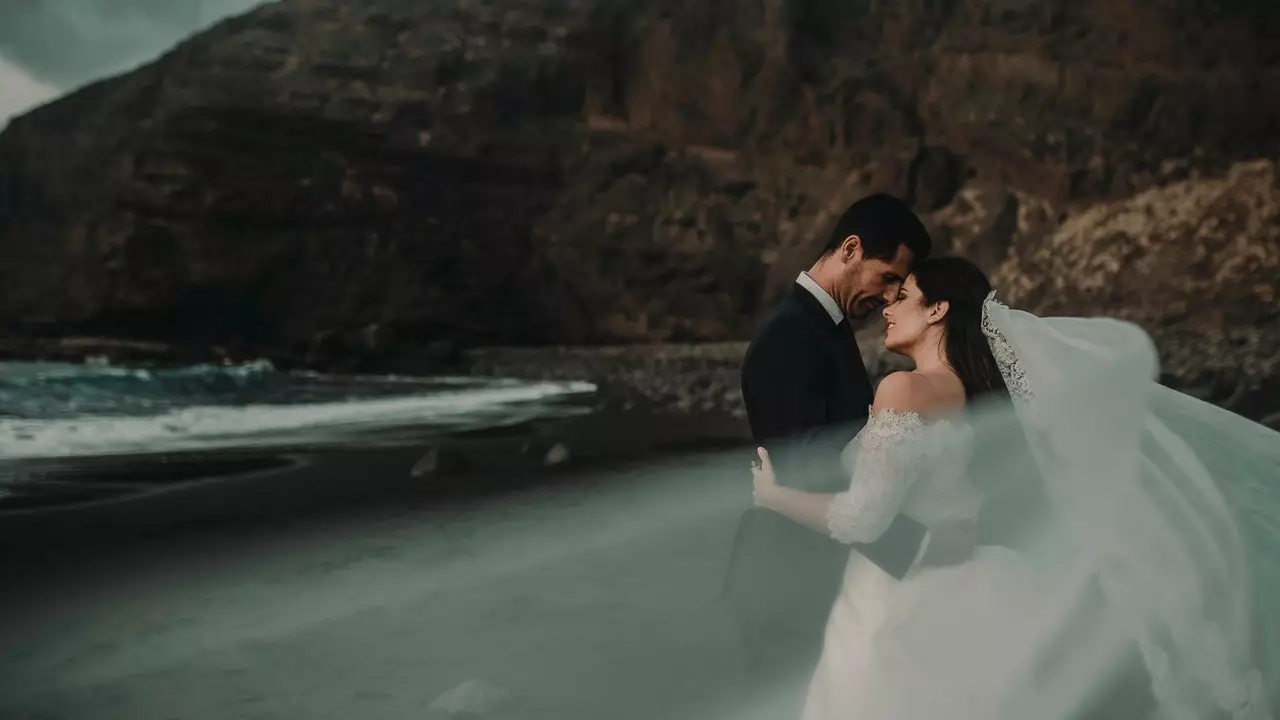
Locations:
(892, 346)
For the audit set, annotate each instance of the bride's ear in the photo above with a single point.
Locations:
(937, 312)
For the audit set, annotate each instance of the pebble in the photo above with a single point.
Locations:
(475, 697)
(556, 455)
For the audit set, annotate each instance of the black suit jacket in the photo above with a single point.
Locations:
(807, 394)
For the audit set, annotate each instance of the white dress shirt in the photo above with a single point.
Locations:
(828, 303)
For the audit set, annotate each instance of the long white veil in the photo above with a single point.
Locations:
(1137, 530)
(1146, 520)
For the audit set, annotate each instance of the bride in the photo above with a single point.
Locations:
(1105, 533)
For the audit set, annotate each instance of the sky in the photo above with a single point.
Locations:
(19, 91)
(48, 47)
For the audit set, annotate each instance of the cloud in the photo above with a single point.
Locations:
(19, 92)
(48, 47)
(68, 43)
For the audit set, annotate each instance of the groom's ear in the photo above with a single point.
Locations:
(850, 248)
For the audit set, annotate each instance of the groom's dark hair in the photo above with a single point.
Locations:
(883, 222)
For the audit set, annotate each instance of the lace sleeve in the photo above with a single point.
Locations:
(888, 454)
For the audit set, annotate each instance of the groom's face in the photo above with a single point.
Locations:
(869, 284)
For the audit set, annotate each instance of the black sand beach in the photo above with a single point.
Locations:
(341, 583)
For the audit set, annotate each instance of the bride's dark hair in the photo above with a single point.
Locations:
(1016, 504)
(964, 288)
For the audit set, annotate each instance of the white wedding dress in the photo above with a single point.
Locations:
(1127, 576)
(942, 642)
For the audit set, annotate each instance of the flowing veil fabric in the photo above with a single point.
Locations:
(1136, 534)
(1150, 520)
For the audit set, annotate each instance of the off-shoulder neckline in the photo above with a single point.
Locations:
(895, 413)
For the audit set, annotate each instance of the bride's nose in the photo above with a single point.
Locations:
(886, 312)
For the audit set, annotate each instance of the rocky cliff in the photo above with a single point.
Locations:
(333, 181)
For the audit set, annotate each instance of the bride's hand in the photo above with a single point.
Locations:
(764, 482)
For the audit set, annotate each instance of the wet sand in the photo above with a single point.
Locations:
(343, 587)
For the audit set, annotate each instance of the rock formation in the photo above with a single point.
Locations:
(375, 183)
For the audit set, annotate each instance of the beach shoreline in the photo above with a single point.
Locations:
(650, 400)
(96, 501)
(367, 582)
(647, 400)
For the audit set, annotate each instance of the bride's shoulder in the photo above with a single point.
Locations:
(902, 392)
(898, 409)
(913, 394)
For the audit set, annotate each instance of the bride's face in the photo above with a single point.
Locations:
(906, 319)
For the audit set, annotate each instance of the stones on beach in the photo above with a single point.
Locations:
(474, 697)
(681, 378)
(557, 454)
(547, 453)
(426, 465)
(437, 461)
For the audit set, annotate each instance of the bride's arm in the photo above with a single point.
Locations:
(880, 482)
(808, 509)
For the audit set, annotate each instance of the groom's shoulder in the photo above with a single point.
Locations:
(788, 311)
(788, 320)
(782, 340)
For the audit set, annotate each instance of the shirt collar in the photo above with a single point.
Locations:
(828, 303)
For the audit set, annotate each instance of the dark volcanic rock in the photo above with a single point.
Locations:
(296, 176)
(367, 184)
(1197, 263)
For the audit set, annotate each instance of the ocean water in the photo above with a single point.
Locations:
(54, 410)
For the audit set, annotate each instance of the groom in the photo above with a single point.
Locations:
(807, 394)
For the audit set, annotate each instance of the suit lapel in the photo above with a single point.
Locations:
(813, 308)
(854, 358)
(843, 349)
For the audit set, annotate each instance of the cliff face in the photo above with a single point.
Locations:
(301, 174)
(1195, 262)
(329, 180)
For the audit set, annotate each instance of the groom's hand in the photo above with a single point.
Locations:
(951, 544)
